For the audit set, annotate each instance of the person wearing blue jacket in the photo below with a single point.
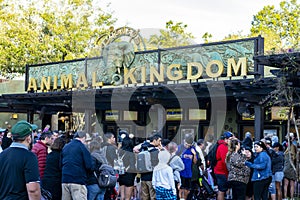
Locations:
(76, 163)
(262, 171)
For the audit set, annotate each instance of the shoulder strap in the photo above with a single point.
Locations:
(150, 148)
(122, 156)
(181, 148)
(171, 159)
(104, 150)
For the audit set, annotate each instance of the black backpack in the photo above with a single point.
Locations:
(211, 156)
(107, 176)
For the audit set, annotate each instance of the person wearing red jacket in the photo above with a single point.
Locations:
(40, 149)
(220, 170)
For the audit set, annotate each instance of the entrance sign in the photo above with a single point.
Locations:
(120, 65)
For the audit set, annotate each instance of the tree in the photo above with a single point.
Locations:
(235, 36)
(280, 27)
(62, 30)
(287, 95)
(206, 37)
(175, 35)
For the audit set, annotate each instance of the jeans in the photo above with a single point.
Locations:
(95, 192)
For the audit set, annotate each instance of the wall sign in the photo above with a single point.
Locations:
(120, 65)
(111, 115)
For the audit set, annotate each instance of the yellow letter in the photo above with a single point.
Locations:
(55, 82)
(190, 70)
(129, 74)
(66, 82)
(177, 72)
(236, 67)
(209, 66)
(154, 73)
(143, 74)
(94, 83)
(45, 83)
(81, 81)
(32, 85)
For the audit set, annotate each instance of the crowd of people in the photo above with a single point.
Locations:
(68, 166)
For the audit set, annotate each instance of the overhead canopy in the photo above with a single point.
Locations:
(279, 60)
(139, 96)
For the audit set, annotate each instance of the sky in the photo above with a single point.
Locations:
(217, 17)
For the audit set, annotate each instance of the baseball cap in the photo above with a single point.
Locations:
(227, 134)
(34, 126)
(21, 129)
(2, 130)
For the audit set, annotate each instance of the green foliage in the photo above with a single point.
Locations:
(235, 36)
(175, 35)
(206, 37)
(280, 27)
(62, 30)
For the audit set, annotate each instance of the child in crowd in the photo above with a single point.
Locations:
(163, 179)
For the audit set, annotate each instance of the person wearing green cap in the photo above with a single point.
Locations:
(19, 167)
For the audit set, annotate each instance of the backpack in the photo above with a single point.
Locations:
(107, 176)
(143, 161)
(211, 156)
(119, 164)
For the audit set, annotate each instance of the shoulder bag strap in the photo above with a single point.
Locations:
(171, 159)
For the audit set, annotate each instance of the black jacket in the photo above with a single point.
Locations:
(52, 174)
(6, 142)
(111, 153)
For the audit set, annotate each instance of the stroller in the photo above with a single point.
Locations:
(204, 191)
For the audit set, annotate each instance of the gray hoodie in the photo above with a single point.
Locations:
(177, 165)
